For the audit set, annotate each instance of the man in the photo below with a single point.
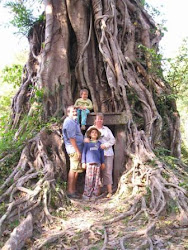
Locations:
(73, 140)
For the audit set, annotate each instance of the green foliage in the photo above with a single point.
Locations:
(172, 207)
(23, 18)
(12, 148)
(164, 155)
(142, 2)
(25, 14)
(13, 224)
(2, 208)
(157, 14)
(148, 196)
(10, 81)
(154, 12)
(165, 175)
(177, 76)
(5, 102)
(97, 246)
(12, 75)
(11, 143)
(163, 103)
(184, 184)
(155, 59)
(184, 151)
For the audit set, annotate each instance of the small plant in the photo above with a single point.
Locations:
(13, 224)
(148, 195)
(2, 208)
(172, 207)
(165, 175)
(126, 220)
(98, 246)
(184, 185)
(86, 208)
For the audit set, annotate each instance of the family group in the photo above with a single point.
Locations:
(92, 152)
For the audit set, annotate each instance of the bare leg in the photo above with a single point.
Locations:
(109, 188)
(75, 181)
(72, 178)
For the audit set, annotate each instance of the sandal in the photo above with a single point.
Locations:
(73, 196)
(109, 195)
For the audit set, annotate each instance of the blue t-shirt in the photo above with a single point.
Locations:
(92, 153)
(71, 129)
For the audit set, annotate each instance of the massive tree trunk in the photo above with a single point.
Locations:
(106, 46)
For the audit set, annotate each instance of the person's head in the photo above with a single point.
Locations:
(99, 119)
(84, 94)
(71, 111)
(93, 133)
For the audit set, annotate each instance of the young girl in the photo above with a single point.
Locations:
(107, 139)
(93, 161)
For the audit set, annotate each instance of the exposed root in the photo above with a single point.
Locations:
(48, 239)
(143, 233)
(34, 178)
(105, 239)
(20, 234)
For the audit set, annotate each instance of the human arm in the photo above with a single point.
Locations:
(87, 139)
(77, 104)
(84, 156)
(102, 166)
(84, 104)
(102, 158)
(74, 144)
(109, 140)
(89, 104)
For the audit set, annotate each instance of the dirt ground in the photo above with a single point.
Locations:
(103, 224)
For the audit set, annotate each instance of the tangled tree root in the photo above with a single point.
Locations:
(151, 195)
(20, 234)
(148, 185)
(29, 187)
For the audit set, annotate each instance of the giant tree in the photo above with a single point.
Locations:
(111, 48)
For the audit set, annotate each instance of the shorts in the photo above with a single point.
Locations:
(75, 163)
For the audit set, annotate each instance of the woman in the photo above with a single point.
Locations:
(107, 141)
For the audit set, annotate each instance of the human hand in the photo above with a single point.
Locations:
(78, 154)
(103, 146)
(84, 165)
(87, 140)
(102, 166)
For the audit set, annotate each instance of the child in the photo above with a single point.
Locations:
(93, 161)
(83, 106)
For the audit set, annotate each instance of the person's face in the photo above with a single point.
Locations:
(94, 134)
(84, 95)
(99, 121)
(72, 113)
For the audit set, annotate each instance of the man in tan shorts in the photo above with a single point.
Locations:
(73, 140)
